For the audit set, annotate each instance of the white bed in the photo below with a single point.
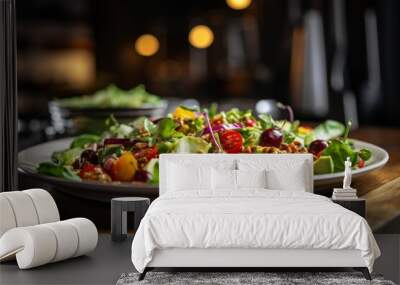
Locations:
(279, 225)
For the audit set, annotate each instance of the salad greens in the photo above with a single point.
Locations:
(113, 97)
(129, 152)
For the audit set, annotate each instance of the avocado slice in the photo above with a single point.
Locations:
(323, 165)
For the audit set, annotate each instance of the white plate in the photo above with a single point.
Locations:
(31, 157)
(379, 158)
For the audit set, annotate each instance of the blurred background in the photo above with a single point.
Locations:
(327, 59)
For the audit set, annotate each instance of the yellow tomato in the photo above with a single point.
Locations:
(181, 113)
(125, 167)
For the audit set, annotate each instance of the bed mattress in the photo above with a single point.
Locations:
(250, 219)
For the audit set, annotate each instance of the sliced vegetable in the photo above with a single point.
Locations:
(323, 165)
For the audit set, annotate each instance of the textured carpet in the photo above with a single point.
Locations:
(231, 278)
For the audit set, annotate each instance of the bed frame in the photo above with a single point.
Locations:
(246, 259)
(240, 259)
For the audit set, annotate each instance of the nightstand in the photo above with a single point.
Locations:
(355, 205)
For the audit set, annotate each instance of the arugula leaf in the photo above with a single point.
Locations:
(52, 169)
(339, 151)
(83, 140)
(365, 154)
(166, 128)
(192, 145)
(66, 157)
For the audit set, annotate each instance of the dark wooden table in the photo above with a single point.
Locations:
(381, 188)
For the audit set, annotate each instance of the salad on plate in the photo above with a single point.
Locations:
(113, 97)
(129, 152)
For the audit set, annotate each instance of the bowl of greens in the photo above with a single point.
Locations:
(88, 112)
(125, 157)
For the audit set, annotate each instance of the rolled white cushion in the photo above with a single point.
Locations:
(87, 234)
(37, 245)
(7, 218)
(46, 208)
(33, 246)
(23, 208)
(67, 240)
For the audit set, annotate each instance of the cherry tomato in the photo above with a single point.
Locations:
(250, 123)
(232, 141)
(87, 170)
(361, 163)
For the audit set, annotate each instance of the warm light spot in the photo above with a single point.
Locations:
(147, 45)
(201, 36)
(238, 4)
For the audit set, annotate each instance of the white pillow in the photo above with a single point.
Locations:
(295, 180)
(223, 179)
(282, 174)
(251, 178)
(182, 177)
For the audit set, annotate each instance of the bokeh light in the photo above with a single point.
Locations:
(238, 4)
(147, 45)
(201, 36)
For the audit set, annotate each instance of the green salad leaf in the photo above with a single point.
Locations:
(339, 150)
(50, 168)
(328, 130)
(192, 145)
(153, 168)
(83, 140)
(66, 157)
(166, 128)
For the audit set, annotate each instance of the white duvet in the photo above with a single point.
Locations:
(250, 219)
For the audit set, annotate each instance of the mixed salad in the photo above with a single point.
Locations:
(113, 97)
(129, 152)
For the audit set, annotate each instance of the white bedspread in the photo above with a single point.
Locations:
(250, 219)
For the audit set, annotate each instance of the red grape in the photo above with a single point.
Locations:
(108, 165)
(317, 146)
(142, 176)
(271, 137)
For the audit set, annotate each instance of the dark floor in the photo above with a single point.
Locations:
(110, 260)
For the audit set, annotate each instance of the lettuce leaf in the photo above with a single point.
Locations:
(83, 140)
(192, 145)
(52, 169)
(66, 157)
(329, 129)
